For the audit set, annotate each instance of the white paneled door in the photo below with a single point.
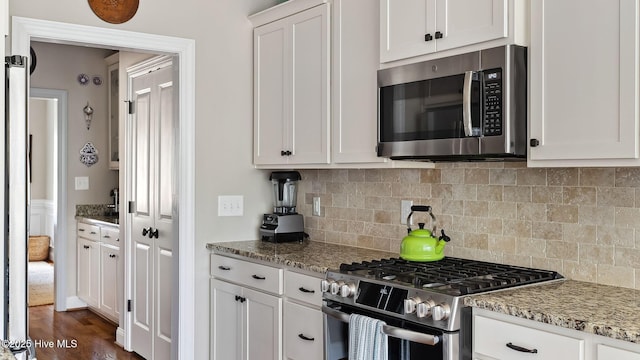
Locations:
(152, 235)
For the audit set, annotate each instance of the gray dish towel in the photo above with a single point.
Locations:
(366, 339)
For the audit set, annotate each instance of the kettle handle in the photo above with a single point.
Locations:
(421, 208)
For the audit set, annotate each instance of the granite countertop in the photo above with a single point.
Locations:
(604, 310)
(599, 309)
(309, 255)
(99, 220)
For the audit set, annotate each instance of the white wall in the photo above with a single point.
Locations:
(223, 141)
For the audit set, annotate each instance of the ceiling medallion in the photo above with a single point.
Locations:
(114, 11)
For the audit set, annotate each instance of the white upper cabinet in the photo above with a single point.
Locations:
(584, 83)
(410, 28)
(291, 89)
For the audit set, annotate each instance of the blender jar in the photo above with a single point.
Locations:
(285, 191)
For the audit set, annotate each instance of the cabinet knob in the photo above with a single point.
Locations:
(86, 246)
(438, 35)
(534, 142)
(428, 37)
(112, 255)
(285, 153)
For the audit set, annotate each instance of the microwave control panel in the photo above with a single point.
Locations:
(492, 124)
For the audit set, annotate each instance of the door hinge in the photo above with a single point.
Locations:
(132, 207)
(128, 305)
(15, 61)
(130, 109)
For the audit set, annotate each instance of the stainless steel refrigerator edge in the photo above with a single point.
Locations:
(16, 195)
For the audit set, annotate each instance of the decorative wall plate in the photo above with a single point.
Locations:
(97, 80)
(84, 79)
(88, 154)
(114, 11)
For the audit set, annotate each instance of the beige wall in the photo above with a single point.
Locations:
(223, 139)
(583, 223)
(41, 126)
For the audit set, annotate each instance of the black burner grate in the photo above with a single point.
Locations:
(453, 276)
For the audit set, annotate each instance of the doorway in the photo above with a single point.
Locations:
(48, 114)
(183, 312)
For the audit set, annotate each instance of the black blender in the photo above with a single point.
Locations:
(285, 224)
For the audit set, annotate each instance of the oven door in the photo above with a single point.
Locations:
(407, 340)
(431, 117)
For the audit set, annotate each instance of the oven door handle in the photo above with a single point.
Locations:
(466, 103)
(392, 331)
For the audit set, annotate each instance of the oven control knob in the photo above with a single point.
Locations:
(424, 308)
(347, 290)
(335, 287)
(441, 312)
(325, 285)
(410, 304)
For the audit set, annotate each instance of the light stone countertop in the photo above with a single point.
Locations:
(311, 256)
(99, 220)
(604, 310)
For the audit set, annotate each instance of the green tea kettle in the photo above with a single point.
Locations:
(420, 244)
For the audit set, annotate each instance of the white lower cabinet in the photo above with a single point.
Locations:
(303, 327)
(246, 310)
(89, 271)
(504, 337)
(264, 312)
(109, 281)
(99, 269)
(302, 332)
(495, 339)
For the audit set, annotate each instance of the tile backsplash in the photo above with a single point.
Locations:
(582, 222)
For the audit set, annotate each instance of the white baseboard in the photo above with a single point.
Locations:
(74, 302)
(120, 336)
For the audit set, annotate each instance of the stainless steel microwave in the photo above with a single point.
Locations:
(465, 107)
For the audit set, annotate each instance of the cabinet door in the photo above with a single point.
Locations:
(404, 27)
(227, 321)
(89, 272)
(271, 66)
(354, 95)
(465, 22)
(109, 283)
(584, 74)
(310, 86)
(303, 332)
(263, 326)
(605, 352)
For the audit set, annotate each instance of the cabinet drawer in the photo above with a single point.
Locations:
(303, 334)
(87, 231)
(490, 338)
(246, 273)
(608, 352)
(302, 288)
(110, 236)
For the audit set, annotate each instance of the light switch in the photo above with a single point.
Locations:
(82, 183)
(230, 205)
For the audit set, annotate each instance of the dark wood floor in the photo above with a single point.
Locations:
(78, 334)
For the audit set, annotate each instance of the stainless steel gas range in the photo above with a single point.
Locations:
(421, 302)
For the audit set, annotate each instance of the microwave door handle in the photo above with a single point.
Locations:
(466, 103)
(392, 331)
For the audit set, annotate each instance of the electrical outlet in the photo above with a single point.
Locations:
(316, 206)
(405, 210)
(230, 205)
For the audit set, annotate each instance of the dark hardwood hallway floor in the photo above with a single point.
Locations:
(94, 337)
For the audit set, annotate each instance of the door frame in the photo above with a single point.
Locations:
(60, 198)
(24, 30)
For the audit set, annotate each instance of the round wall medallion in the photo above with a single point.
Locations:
(114, 11)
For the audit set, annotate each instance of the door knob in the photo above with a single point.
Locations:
(153, 233)
(145, 231)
